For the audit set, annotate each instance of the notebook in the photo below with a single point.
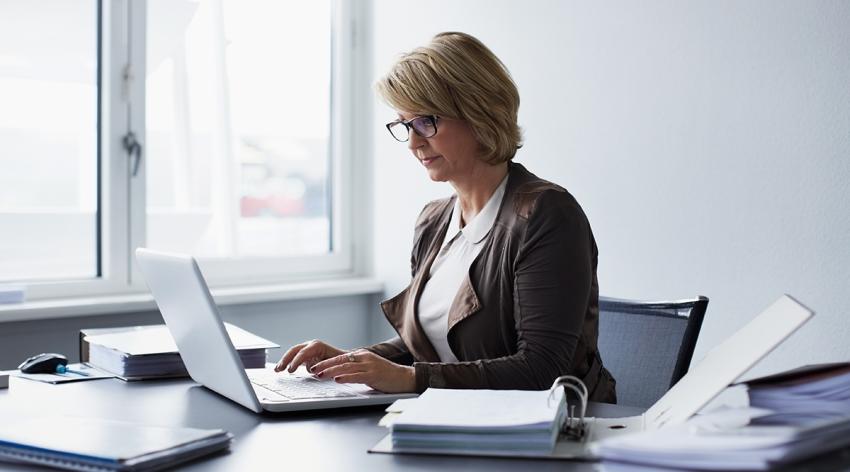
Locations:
(103, 445)
(189, 311)
(718, 369)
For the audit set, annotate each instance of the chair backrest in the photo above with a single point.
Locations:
(648, 346)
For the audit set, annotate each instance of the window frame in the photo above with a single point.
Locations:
(122, 196)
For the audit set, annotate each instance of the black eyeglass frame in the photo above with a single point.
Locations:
(432, 119)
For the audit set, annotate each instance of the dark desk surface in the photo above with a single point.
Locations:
(325, 440)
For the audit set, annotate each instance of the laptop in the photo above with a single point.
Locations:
(184, 299)
(721, 367)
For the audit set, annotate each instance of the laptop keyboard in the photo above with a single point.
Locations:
(300, 388)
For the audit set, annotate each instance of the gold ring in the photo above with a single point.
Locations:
(351, 357)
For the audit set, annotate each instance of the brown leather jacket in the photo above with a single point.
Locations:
(527, 312)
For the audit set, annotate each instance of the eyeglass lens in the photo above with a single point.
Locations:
(424, 126)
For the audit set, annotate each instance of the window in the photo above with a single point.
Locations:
(236, 108)
(48, 140)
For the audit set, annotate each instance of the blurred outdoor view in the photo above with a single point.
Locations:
(238, 127)
(238, 131)
(48, 139)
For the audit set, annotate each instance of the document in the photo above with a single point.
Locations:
(803, 395)
(792, 415)
(147, 340)
(504, 420)
(747, 447)
(145, 352)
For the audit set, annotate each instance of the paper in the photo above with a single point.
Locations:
(475, 409)
(93, 374)
(805, 395)
(482, 420)
(719, 441)
(394, 411)
(144, 340)
(400, 405)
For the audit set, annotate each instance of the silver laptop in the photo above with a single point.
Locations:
(191, 315)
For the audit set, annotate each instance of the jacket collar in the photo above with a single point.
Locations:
(401, 310)
(476, 230)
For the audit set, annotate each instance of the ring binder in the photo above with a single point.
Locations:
(572, 427)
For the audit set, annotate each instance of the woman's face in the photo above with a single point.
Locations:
(449, 155)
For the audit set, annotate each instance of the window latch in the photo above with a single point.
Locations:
(134, 150)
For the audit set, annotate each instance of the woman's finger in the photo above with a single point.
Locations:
(288, 355)
(344, 368)
(309, 351)
(356, 377)
(332, 361)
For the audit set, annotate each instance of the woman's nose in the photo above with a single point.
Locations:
(415, 141)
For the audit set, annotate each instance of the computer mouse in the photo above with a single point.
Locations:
(44, 363)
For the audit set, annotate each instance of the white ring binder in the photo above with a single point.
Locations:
(573, 427)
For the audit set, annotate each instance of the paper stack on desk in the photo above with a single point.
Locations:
(803, 395)
(145, 352)
(792, 416)
(507, 421)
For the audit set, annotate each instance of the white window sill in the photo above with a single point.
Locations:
(126, 303)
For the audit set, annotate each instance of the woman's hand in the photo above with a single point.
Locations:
(362, 366)
(307, 353)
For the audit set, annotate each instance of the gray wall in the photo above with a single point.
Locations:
(708, 142)
(343, 321)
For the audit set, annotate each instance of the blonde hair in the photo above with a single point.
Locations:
(456, 76)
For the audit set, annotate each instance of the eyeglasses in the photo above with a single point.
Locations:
(424, 126)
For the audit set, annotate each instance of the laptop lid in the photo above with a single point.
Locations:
(726, 362)
(192, 317)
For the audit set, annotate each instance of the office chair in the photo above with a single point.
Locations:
(648, 346)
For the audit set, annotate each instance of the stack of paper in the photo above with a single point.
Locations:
(703, 445)
(502, 421)
(804, 395)
(87, 444)
(150, 352)
(792, 416)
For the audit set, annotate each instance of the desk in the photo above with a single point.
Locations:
(311, 441)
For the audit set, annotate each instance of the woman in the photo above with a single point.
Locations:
(504, 292)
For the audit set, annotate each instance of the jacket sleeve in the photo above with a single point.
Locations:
(392, 349)
(552, 280)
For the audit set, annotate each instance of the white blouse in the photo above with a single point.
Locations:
(458, 251)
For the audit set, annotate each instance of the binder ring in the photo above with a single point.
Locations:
(572, 425)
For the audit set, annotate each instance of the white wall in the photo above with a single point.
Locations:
(708, 142)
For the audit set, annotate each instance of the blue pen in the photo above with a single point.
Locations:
(62, 369)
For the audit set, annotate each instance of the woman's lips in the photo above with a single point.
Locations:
(427, 161)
